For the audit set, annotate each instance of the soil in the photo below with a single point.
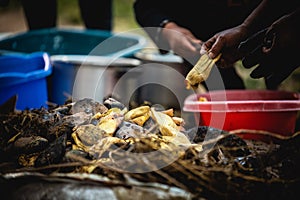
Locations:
(12, 21)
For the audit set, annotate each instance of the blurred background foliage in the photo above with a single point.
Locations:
(69, 13)
(123, 16)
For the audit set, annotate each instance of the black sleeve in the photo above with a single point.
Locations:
(150, 13)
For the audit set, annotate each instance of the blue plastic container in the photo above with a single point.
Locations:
(58, 41)
(25, 75)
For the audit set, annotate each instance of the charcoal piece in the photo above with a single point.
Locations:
(113, 103)
(77, 119)
(89, 106)
(130, 130)
(76, 155)
(30, 144)
(233, 145)
(200, 133)
(227, 148)
(151, 126)
(54, 153)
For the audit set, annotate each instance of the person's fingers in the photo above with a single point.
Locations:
(185, 48)
(279, 76)
(188, 46)
(203, 50)
(216, 47)
(197, 41)
(197, 44)
(253, 58)
(226, 61)
(260, 72)
(206, 46)
(188, 34)
(269, 42)
(252, 42)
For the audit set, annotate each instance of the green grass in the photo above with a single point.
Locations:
(69, 13)
(291, 83)
(123, 15)
(249, 82)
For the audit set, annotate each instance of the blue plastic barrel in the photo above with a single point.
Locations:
(25, 75)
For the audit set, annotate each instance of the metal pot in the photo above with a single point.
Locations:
(79, 76)
(162, 80)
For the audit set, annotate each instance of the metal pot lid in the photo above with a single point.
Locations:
(95, 60)
(154, 55)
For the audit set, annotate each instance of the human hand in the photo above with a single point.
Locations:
(181, 41)
(274, 50)
(225, 42)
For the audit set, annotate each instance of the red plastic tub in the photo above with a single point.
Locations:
(272, 111)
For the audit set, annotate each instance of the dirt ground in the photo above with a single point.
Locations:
(12, 21)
